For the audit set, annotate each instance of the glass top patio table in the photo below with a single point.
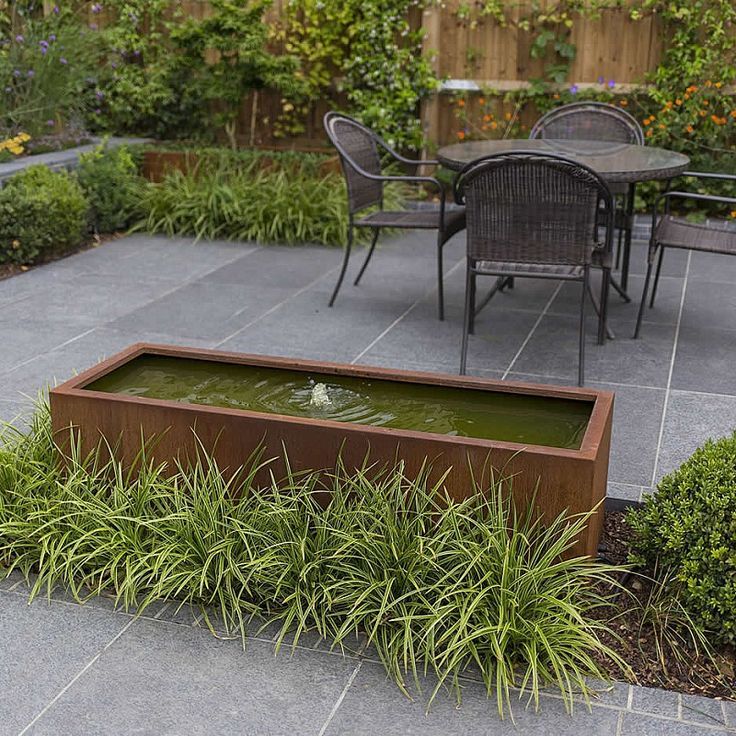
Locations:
(615, 162)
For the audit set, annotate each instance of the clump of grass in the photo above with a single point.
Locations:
(436, 586)
(268, 198)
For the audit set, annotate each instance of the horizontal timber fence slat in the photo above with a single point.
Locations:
(473, 52)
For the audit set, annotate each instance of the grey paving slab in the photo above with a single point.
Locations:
(709, 304)
(553, 350)
(202, 310)
(690, 420)
(635, 724)
(712, 268)
(655, 701)
(44, 646)
(702, 710)
(374, 705)
(498, 336)
(165, 679)
(674, 264)
(705, 360)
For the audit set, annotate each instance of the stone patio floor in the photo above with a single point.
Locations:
(72, 669)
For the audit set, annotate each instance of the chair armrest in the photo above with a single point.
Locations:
(699, 197)
(404, 159)
(709, 175)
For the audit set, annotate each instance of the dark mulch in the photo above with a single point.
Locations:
(679, 667)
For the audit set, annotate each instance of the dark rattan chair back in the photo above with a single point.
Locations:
(358, 150)
(595, 121)
(531, 208)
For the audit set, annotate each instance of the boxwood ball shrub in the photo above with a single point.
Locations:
(689, 528)
(42, 213)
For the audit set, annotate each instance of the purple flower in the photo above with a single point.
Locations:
(31, 74)
(93, 26)
(16, 73)
(52, 37)
(611, 84)
(56, 10)
(19, 38)
(601, 80)
(99, 95)
(97, 8)
(43, 44)
(97, 110)
(62, 60)
(44, 50)
(573, 89)
(50, 123)
(137, 52)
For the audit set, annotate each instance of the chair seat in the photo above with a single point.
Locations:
(506, 268)
(713, 236)
(415, 219)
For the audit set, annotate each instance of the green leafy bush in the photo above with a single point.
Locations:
(431, 583)
(267, 197)
(688, 527)
(42, 213)
(110, 181)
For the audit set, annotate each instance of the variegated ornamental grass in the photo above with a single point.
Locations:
(436, 587)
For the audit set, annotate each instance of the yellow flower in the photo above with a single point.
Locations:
(623, 103)
(733, 213)
(719, 85)
(507, 116)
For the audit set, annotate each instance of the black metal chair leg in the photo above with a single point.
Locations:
(376, 232)
(640, 316)
(627, 236)
(619, 247)
(345, 260)
(603, 330)
(473, 310)
(440, 277)
(656, 276)
(469, 277)
(581, 348)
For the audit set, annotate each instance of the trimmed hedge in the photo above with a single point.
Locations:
(42, 213)
(689, 527)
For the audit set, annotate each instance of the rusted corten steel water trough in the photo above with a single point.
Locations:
(572, 480)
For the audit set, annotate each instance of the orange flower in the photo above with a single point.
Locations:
(482, 101)
(661, 126)
(686, 96)
(460, 135)
(623, 103)
(507, 116)
(706, 103)
(461, 103)
(708, 83)
(487, 118)
(555, 97)
(732, 113)
(701, 113)
(494, 125)
(649, 133)
(484, 127)
(715, 119)
(678, 102)
(646, 121)
(689, 129)
(733, 213)
(692, 88)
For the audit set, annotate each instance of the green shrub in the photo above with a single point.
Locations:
(688, 527)
(42, 213)
(432, 583)
(267, 197)
(109, 179)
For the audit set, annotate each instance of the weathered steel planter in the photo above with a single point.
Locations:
(563, 479)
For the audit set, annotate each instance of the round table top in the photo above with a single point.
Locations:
(615, 162)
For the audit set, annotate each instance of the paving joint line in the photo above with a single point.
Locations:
(276, 307)
(340, 699)
(411, 308)
(74, 679)
(533, 329)
(671, 370)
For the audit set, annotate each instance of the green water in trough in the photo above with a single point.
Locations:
(529, 420)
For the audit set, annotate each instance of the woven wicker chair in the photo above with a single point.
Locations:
(360, 155)
(536, 216)
(669, 231)
(598, 121)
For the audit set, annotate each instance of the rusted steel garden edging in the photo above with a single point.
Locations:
(563, 479)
